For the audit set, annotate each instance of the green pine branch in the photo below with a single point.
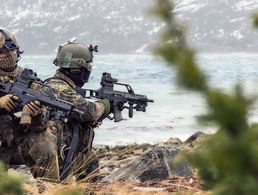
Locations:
(227, 161)
(10, 184)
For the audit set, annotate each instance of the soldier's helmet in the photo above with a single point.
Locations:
(74, 56)
(8, 40)
(9, 50)
(75, 60)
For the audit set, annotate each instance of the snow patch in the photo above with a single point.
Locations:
(189, 5)
(73, 18)
(237, 19)
(246, 5)
(237, 34)
(57, 29)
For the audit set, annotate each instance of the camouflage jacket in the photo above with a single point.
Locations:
(91, 112)
(64, 88)
(6, 121)
(10, 124)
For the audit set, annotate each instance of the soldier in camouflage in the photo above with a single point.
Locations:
(15, 139)
(75, 64)
(9, 55)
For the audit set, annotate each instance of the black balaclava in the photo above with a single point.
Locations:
(78, 76)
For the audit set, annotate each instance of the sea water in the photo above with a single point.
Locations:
(174, 111)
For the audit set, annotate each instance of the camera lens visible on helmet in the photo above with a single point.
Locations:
(10, 46)
(6, 43)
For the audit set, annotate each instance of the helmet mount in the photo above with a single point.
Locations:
(7, 43)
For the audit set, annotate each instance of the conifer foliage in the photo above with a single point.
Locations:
(227, 161)
(10, 184)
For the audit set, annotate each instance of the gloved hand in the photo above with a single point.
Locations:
(29, 110)
(8, 102)
(32, 109)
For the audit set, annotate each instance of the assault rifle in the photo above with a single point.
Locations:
(21, 89)
(117, 99)
(62, 109)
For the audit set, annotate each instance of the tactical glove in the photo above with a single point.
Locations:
(8, 102)
(32, 108)
(29, 110)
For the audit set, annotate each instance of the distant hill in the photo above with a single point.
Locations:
(221, 25)
(121, 26)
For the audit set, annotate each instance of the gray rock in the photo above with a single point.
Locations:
(194, 137)
(173, 141)
(154, 164)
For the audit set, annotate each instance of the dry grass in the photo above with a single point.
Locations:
(176, 185)
(121, 156)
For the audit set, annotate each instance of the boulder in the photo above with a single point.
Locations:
(156, 163)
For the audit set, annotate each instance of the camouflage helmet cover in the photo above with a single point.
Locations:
(8, 40)
(74, 55)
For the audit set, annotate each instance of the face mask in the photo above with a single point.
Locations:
(9, 62)
(78, 76)
(78, 82)
(85, 75)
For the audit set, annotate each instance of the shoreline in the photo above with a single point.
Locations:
(117, 167)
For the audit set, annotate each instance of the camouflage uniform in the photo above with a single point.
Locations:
(7, 123)
(22, 144)
(28, 144)
(92, 113)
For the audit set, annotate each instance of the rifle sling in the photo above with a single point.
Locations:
(69, 159)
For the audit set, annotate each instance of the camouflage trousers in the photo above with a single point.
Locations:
(39, 151)
(84, 161)
(20, 145)
(42, 153)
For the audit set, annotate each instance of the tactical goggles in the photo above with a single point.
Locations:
(6, 44)
(79, 70)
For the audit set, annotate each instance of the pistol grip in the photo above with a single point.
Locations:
(117, 114)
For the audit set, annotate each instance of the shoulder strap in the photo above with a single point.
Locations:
(58, 78)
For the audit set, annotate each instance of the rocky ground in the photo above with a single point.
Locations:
(132, 169)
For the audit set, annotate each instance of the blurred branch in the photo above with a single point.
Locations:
(10, 184)
(226, 161)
